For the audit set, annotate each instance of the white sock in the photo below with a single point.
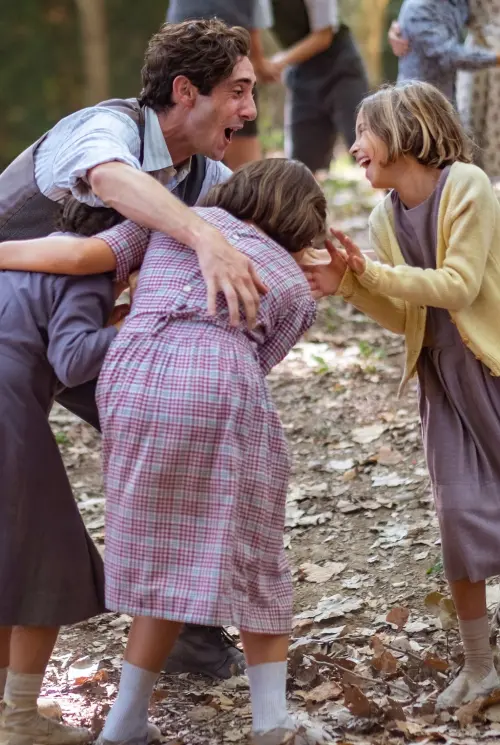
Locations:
(268, 696)
(478, 675)
(20, 696)
(3, 678)
(475, 637)
(128, 718)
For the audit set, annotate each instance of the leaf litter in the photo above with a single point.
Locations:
(375, 635)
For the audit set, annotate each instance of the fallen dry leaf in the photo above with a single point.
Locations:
(398, 616)
(303, 669)
(236, 735)
(82, 670)
(467, 713)
(355, 700)
(388, 457)
(383, 661)
(335, 606)
(432, 601)
(327, 691)
(443, 608)
(395, 711)
(492, 713)
(436, 663)
(365, 435)
(202, 714)
(319, 574)
(409, 729)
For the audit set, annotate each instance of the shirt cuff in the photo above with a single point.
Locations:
(346, 287)
(123, 252)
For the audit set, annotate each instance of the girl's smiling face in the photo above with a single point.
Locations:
(371, 154)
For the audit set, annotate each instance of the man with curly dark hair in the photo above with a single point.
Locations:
(254, 15)
(143, 157)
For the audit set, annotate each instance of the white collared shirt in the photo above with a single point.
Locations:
(97, 135)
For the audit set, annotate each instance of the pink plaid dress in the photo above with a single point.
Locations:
(196, 464)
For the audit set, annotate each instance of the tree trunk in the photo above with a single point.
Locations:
(95, 50)
(367, 20)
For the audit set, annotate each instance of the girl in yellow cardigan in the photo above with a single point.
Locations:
(437, 237)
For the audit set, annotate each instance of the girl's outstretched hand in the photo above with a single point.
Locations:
(355, 259)
(325, 279)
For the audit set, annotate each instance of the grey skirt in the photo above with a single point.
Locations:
(460, 414)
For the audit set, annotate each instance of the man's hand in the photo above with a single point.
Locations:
(276, 65)
(145, 201)
(227, 270)
(399, 45)
(266, 71)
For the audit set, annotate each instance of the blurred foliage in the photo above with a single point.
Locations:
(41, 76)
(41, 73)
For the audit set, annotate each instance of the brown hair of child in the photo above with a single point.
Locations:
(280, 196)
(79, 218)
(416, 119)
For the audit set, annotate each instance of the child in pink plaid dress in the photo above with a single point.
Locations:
(195, 459)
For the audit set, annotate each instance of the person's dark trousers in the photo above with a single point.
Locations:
(200, 649)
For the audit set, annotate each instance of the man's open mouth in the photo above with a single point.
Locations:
(229, 132)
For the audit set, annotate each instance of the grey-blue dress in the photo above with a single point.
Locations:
(435, 30)
(460, 414)
(51, 333)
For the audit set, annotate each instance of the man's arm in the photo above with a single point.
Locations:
(145, 201)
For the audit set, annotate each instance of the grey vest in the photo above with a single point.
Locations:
(291, 21)
(26, 213)
(233, 12)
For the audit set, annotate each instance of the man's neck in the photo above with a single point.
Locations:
(174, 132)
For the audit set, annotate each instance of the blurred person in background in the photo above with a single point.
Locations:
(389, 60)
(324, 75)
(253, 15)
(478, 91)
(428, 39)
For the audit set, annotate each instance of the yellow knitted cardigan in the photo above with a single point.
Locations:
(466, 281)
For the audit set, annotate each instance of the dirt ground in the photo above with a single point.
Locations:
(375, 633)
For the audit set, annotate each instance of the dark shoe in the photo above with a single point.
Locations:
(206, 650)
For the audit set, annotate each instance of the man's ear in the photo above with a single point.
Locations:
(184, 92)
